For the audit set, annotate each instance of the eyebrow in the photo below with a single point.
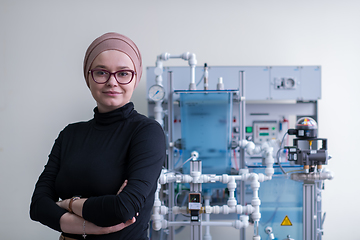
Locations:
(119, 68)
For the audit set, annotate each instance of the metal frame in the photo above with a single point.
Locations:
(312, 219)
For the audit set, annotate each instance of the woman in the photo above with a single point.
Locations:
(106, 169)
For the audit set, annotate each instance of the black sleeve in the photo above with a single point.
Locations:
(43, 207)
(147, 154)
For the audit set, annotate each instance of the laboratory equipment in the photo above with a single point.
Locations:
(230, 163)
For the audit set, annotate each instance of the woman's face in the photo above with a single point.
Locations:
(111, 95)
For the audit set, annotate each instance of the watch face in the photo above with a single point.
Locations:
(156, 93)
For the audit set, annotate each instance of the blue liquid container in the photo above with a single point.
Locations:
(206, 128)
(281, 206)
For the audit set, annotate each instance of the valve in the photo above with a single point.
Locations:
(269, 231)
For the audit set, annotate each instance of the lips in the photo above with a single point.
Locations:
(112, 93)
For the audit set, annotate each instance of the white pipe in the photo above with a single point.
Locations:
(157, 215)
(236, 224)
(196, 177)
(250, 147)
(231, 207)
(178, 223)
(207, 235)
(190, 57)
(225, 209)
(178, 210)
(228, 224)
(158, 110)
(231, 187)
(158, 71)
(266, 150)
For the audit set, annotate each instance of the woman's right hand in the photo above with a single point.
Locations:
(116, 228)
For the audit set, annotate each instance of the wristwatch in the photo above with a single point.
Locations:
(73, 199)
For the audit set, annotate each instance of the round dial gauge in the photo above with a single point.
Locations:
(156, 93)
(290, 83)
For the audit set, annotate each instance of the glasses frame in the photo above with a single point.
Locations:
(91, 72)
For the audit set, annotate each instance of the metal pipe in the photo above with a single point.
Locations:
(241, 137)
(170, 165)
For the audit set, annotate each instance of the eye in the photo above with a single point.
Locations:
(100, 73)
(123, 74)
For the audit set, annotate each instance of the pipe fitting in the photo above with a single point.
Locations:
(192, 60)
(256, 202)
(158, 70)
(225, 209)
(164, 210)
(232, 203)
(324, 175)
(231, 184)
(164, 56)
(239, 209)
(225, 178)
(185, 56)
(157, 221)
(194, 155)
(248, 209)
(244, 218)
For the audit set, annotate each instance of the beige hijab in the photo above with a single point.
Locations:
(113, 41)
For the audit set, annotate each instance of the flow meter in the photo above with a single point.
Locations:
(194, 206)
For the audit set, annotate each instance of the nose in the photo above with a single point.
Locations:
(112, 80)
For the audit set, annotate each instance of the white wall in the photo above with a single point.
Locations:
(42, 44)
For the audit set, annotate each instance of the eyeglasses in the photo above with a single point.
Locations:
(123, 77)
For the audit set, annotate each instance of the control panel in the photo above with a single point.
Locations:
(264, 131)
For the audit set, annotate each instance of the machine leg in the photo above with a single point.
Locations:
(196, 230)
(309, 223)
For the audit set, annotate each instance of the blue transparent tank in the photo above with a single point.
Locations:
(280, 198)
(206, 128)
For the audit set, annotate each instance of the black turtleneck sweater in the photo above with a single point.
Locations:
(92, 159)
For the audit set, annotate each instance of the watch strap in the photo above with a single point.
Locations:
(72, 200)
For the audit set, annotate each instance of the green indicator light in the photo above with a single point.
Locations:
(248, 129)
(273, 128)
(264, 134)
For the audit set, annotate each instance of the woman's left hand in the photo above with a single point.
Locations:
(76, 207)
(64, 204)
(122, 187)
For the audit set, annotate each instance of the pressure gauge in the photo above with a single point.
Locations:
(156, 93)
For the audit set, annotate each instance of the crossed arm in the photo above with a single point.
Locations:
(145, 160)
(73, 223)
